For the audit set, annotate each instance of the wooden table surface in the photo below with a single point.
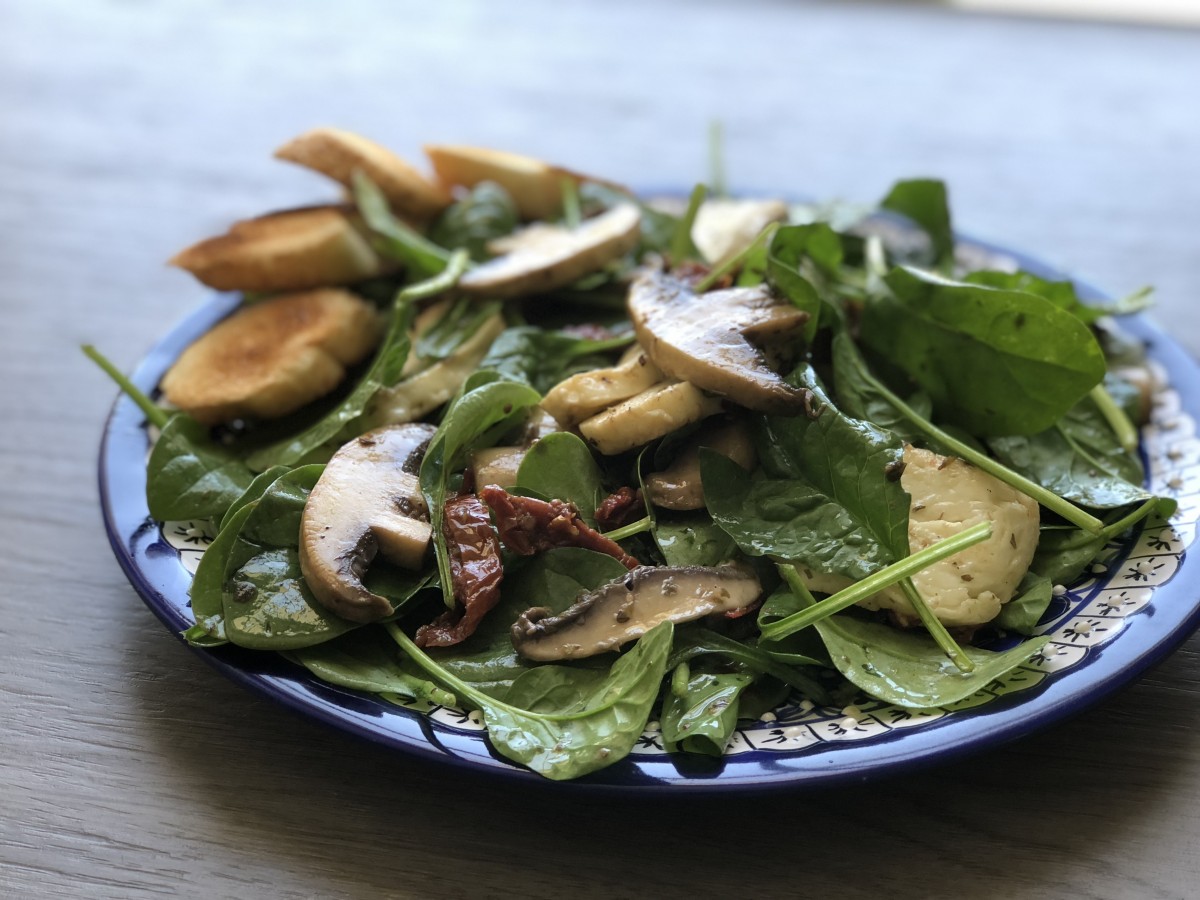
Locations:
(128, 768)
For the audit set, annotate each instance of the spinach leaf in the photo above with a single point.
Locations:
(391, 237)
(902, 667)
(386, 370)
(1079, 458)
(363, 661)
(486, 213)
(824, 497)
(802, 258)
(190, 477)
(1062, 294)
(696, 641)
(924, 201)
(561, 467)
(257, 488)
(266, 603)
(858, 394)
(471, 418)
(542, 358)
(692, 539)
(1022, 613)
(994, 361)
(460, 322)
(700, 715)
(575, 729)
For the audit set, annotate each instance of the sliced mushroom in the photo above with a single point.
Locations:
(500, 465)
(623, 610)
(290, 250)
(717, 340)
(534, 185)
(367, 501)
(338, 154)
(678, 486)
(725, 226)
(659, 410)
(272, 357)
(423, 392)
(584, 395)
(544, 257)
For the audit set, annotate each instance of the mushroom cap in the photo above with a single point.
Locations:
(272, 357)
(544, 257)
(367, 501)
(714, 340)
(625, 609)
(337, 154)
(291, 250)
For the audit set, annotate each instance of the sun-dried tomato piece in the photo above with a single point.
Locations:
(528, 526)
(475, 570)
(620, 508)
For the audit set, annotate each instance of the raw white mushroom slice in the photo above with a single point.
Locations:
(726, 226)
(544, 257)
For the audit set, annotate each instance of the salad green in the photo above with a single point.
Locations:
(897, 347)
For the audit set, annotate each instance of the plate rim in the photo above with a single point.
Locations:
(1149, 636)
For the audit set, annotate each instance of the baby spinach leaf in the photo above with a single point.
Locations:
(696, 641)
(924, 201)
(906, 667)
(257, 488)
(207, 588)
(1062, 294)
(363, 661)
(701, 715)
(1022, 613)
(858, 394)
(386, 370)
(1079, 458)
(454, 328)
(561, 467)
(824, 497)
(477, 411)
(800, 259)
(692, 539)
(485, 213)
(572, 732)
(994, 361)
(191, 477)
(266, 603)
(542, 358)
(392, 238)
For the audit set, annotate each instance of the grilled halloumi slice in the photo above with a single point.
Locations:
(296, 249)
(338, 154)
(272, 357)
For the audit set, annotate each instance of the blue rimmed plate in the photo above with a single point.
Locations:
(1132, 610)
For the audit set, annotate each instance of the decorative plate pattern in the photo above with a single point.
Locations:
(1105, 629)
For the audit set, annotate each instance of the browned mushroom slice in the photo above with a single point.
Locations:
(623, 610)
(716, 341)
(678, 486)
(367, 501)
(338, 154)
(534, 185)
(272, 357)
(290, 250)
(545, 257)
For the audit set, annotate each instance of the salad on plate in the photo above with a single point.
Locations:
(515, 440)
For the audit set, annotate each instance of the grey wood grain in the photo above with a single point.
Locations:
(128, 129)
